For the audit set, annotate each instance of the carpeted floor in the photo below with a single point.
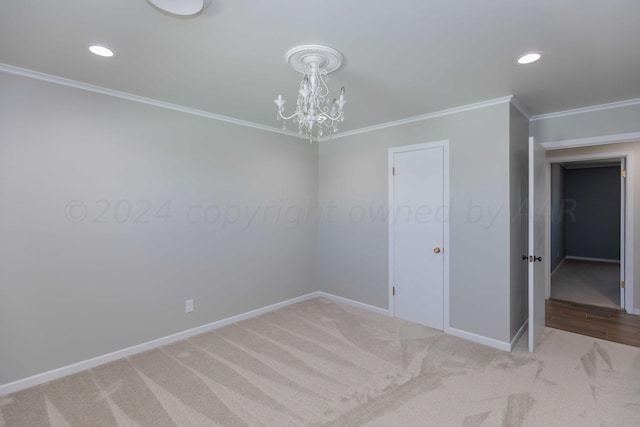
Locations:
(321, 363)
(587, 282)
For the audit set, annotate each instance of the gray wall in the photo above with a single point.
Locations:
(518, 194)
(558, 207)
(353, 251)
(597, 123)
(593, 225)
(75, 284)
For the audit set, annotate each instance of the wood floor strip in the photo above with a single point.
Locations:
(605, 323)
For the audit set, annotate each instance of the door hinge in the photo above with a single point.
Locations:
(622, 284)
(623, 173)
(393, 171)
(394, 291)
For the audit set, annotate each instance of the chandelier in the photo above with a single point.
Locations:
(315, 110)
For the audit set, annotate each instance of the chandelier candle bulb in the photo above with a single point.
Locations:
(334, 111)
(315, 109)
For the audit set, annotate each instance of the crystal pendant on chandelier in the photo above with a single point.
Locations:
(315, 109)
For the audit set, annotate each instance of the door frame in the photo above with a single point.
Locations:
(447, 205)
(627, 226)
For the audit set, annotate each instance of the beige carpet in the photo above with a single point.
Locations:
(587, 282)
(320, 363)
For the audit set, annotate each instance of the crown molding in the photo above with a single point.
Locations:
(518, 106)
(10, 69)
(455, 110)
(591, 109)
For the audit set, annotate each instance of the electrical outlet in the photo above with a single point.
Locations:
(188, 306)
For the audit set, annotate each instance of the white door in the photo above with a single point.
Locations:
(537, 243)
(417, 221)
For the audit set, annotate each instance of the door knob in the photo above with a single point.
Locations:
(436, 250)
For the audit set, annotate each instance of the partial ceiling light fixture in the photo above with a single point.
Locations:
(100, 50)
(529, 57)
(315, 110)
(181, 7)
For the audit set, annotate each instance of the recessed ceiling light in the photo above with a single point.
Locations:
(181, 7)
(530, 57)
(100, 50)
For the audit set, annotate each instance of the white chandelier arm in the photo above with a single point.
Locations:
(323, 93)
(283, 117)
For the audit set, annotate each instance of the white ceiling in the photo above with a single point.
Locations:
(402, 58)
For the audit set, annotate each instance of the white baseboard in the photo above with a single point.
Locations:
(583, 258)
(518, 334)
(119, 354)
(451, 331)
(500, 345)
(636, 311)
(353, 303)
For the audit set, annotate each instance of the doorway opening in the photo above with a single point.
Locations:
(587, 232)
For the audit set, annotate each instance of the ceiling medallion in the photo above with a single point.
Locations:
(315, 110)
(181, 7)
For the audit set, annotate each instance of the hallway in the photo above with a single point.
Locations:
(587, 282)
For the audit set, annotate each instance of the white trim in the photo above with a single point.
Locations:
(447, 202)
(599, 107)
(24, 72)
(456, 110)
(353, 303)
(390, 257)
(629, 213)
(595, 156)
(547, 232)
(584, 258)
(518, 334)
(636, 311)
(518, 106)
(74, 368)
(623, 232)
(119, 354)
(448, 330)
(447, 246)
(500, 345)
(10, 69)
(629, 222)
(592, 140)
